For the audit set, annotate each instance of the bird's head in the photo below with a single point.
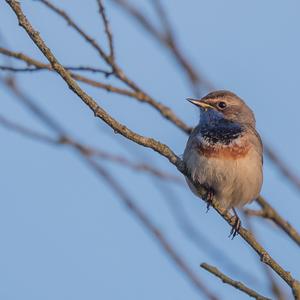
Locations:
(224, 105)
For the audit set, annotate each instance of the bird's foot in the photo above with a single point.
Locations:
(209, 197)
(236, 226)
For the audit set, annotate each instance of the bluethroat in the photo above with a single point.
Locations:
(224, 152)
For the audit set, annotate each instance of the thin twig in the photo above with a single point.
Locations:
(107, 30)
(79, 68)
(147, 142)
(236, 284)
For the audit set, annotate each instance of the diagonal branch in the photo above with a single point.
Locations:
(236, 284)
(147, 142)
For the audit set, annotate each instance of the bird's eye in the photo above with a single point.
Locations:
(222, 104)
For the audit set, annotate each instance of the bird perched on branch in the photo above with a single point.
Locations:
(224, 152)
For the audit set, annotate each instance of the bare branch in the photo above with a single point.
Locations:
(236, 284)
(147, 142)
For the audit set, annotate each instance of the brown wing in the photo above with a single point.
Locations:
(256, 134)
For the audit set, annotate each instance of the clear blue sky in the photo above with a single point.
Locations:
(64, 235)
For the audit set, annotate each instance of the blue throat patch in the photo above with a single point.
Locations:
(223, 132)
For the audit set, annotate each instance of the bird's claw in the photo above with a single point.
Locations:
(236, 226)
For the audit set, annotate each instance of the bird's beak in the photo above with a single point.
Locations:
(200, 103)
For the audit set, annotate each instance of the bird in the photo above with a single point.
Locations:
(224, 153)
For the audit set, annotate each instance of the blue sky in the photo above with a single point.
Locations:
(64, 234)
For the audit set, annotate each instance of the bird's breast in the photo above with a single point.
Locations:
(235, 150)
